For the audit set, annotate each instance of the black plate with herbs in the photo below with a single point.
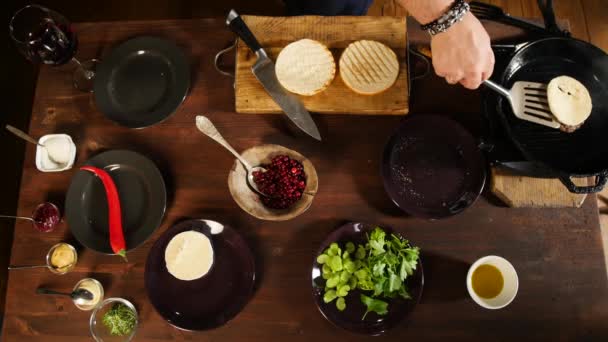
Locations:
(356, 316)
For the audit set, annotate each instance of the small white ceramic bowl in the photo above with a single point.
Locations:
(509, 289)
(43, 162)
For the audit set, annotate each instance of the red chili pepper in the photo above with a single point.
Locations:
(117, 239)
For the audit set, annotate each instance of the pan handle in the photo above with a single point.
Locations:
(218, 58)
(600, 181)
(546, 8)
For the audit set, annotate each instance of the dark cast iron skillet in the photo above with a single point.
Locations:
(583, 153)
(579, 154)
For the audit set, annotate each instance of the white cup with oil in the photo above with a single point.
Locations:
(492, 282)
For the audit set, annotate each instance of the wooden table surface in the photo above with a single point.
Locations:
(558, 254)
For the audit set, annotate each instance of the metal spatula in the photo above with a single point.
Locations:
(528, 101)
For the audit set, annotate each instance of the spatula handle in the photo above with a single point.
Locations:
(238, 26)
(497, 88)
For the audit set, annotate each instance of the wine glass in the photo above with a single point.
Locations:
(45, 36)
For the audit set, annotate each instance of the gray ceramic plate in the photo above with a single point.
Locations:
(142, 195)
(142, 82)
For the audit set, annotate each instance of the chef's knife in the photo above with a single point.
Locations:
(263, 69)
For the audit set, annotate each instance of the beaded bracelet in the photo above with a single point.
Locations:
(453, 15)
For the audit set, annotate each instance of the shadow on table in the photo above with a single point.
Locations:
(296, 268)
(444, 278)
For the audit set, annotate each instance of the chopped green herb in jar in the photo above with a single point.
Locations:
(120, 320)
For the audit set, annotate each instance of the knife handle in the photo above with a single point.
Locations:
(238, 26)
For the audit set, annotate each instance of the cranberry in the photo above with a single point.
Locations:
(283, 182)
(46, 217)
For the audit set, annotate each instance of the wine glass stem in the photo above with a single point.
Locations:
(89, 74)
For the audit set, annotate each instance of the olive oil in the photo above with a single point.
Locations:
(487, 281)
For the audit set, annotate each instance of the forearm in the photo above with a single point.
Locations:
(426, 11)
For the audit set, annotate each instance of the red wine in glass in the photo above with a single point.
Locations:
(45, 36)
(52, 43)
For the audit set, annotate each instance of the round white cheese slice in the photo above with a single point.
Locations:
(189, 255)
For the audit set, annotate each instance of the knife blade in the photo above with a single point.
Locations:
(263, 70)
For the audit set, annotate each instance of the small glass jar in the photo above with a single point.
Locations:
(65, 268)
(95, 288)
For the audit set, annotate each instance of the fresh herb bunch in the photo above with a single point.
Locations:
(381, 267)
(120, 320)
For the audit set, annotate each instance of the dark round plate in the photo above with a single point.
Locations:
(432, 167)
(350, 318)
(142, 82)
(142, 200)
(212, 300)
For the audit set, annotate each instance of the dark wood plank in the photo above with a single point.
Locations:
(570, 10)
(596, 12)
(512, 7)
(558, 253)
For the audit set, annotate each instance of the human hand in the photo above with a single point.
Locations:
(463, 54)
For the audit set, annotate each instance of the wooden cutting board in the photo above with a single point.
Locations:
(527, 192)
(274, 33)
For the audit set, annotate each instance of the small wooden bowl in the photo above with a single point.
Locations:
(250, 201)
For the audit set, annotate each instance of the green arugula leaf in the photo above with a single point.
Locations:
(350, 247)
(360, 254)
(378, 269)
(343, 290)
(333, 281)
(374, 305)
(329, 296)
(335, 262)
(341, 304)
(394, 283)
(321, 259)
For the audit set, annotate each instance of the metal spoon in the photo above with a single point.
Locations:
(21, 134)
(26, 267)
(18, 217)
(206, 127)
(79, 296)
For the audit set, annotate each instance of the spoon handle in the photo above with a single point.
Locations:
(42, 290)
(17, 217)
(206, 127)
(21, 134)
(25, 267)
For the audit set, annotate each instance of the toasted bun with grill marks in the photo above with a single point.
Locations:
(368, 67)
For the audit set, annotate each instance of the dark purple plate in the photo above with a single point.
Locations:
(350, 318)
(212, 300)
(432, 167)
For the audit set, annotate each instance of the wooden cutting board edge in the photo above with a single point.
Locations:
(528, 192)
